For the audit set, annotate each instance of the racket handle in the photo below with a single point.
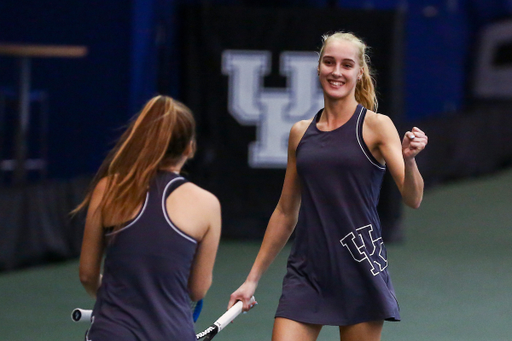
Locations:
(81, 315)
(231, 314)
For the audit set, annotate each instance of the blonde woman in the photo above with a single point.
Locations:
(158, 232)
(337, 269)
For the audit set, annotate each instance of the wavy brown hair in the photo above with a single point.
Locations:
(365, 88)
(156, 138)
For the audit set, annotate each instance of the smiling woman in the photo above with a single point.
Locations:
(353, 58)
(337, 269)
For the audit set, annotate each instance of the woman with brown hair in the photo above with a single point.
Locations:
(158, 232)
(337, 269)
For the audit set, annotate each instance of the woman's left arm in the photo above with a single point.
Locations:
(400, 157)
(413, 142)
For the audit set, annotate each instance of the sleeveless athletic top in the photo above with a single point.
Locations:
(143, 294)
(337, 269)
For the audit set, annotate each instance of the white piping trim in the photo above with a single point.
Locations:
(164, 210)
(135, 220)
(359, 138)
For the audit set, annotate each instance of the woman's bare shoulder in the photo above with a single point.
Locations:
(377, 119)
(199, 195)
(379, 123)
(297, 131)
(301, 126)
(100, 188)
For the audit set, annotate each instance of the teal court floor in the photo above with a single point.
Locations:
(452, 275)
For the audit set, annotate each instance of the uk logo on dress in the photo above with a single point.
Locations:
(362, 252)
(272, 110)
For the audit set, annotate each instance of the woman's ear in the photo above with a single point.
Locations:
(191, 150)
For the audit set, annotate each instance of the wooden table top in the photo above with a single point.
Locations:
(43, 51)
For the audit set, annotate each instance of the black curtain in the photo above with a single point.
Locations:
(35, 224)
(249, 193)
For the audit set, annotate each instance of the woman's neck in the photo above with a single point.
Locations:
(340, 108)
(175, 167)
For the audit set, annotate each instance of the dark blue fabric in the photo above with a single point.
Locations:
(337, 269)
(144, 289)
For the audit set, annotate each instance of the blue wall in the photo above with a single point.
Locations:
(88, 97)
(133, 52)
(439, 39)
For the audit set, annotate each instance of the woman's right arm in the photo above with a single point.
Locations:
(281, 223)
(93, 244)
(201, 273)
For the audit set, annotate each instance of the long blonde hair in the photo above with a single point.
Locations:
(365, 88)
(156, 138)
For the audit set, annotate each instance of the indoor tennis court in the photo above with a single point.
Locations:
(73, 73)
(451, 276)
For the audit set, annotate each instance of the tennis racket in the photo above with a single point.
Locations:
(210, 332)
(84, 315)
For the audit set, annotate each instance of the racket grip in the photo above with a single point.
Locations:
(231, 314)
(81, 315)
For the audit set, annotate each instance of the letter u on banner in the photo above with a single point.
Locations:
(272, 110)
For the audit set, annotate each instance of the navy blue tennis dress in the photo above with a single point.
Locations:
(143, 294)
(337, 271)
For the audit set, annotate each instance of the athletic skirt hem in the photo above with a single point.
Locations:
(338, 323)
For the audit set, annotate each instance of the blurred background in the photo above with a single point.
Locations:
(73, 73)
